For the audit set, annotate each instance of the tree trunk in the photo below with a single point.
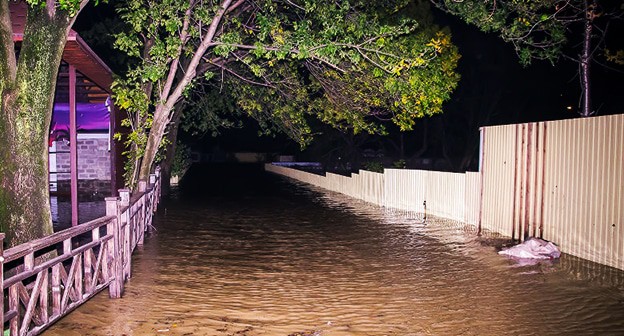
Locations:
(172, 138)
(170, 97)
(156, 133)
(585, 63)
(26, 109)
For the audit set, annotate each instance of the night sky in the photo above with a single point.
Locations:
(546, 89)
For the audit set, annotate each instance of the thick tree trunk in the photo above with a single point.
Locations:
(26, 109)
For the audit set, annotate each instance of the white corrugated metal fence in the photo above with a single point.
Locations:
(559, 180)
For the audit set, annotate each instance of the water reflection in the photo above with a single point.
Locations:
(258, 255)
(89, 208)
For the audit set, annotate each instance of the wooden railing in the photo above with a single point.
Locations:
(45, 279)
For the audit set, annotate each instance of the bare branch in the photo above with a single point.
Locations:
(244, 79)
(294, 5)
(234, 6)
(373, 62)
(190, 69)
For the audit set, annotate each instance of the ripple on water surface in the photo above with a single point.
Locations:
(298, 260)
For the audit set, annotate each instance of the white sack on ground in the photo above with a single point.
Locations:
(533, 248)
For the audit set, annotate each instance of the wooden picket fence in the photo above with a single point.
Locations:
(45, 279)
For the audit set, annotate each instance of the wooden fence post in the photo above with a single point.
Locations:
(125, 232)
(124, 197)
(152, 180)
(142, 219)
(142, 186)
(114, 250)
(2, 278)
(158, 187)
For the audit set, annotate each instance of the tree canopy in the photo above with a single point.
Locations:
(346, 63)
(548, 30)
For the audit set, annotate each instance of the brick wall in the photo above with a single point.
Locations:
(94, 163)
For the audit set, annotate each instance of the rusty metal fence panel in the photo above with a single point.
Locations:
(560, 180)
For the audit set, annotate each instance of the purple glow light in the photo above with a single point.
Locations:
(89, 117)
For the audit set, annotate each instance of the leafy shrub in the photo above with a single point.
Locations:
(182, 160)
(374, 166)
(400, 164)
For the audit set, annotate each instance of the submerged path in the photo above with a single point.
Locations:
(242, 252)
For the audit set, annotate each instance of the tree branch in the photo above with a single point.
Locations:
(244, 79)
(292, 51)
(234, 6)
(173, 68)
(190, 70)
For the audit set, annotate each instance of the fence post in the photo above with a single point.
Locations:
(142, 186)
(152, 180)
(142, 218)
(2, 278)
(124, 195)
(114, 251)
(158, 182)
(126, 237)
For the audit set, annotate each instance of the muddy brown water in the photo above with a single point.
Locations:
(249, 253)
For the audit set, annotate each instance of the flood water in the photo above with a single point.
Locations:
(241, 252)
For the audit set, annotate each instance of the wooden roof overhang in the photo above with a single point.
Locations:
(80, 55)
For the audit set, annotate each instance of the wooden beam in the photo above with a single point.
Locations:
(73, 146)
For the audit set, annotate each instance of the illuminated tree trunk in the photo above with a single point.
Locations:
(156, 134)
(26, 95)
(170, 153)
(172, 93)
(586, 57)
